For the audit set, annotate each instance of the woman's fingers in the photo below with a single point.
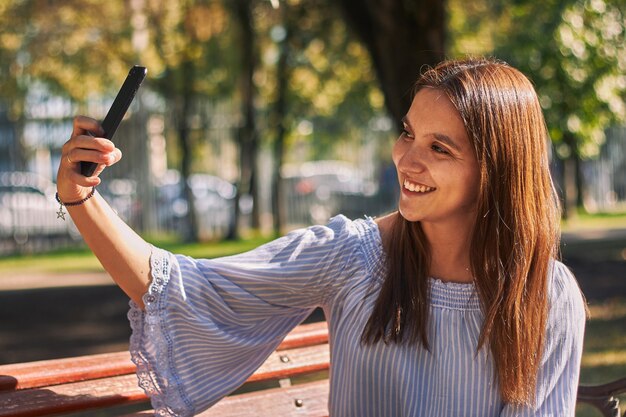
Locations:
(84, 124)
(77, 178)
(85, 144)
(92, 142)
(84, 147)
(117, 156)
(99, 170)
(101, 157)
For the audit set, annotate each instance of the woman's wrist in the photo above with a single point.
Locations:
(77, 202)
(62, 202)
(69, 193)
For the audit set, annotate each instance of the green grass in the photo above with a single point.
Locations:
(604, 355)
(82, 260)
(585, 220)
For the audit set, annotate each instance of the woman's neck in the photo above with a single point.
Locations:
(449, 248)
(450, 251)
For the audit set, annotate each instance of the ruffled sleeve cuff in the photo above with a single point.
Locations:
(151, 345)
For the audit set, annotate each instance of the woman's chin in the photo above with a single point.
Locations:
(408, 215)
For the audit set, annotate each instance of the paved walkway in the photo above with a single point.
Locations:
(594, 234)
(28, 281)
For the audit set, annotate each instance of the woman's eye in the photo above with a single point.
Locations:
(439, 149)
(405, 134)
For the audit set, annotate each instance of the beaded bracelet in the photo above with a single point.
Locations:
(61, 213)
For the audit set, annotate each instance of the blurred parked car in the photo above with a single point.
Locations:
(214, 200)
(28, 209)
(121, 194)
(314, 191)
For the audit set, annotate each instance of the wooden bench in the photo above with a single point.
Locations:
(54, 387)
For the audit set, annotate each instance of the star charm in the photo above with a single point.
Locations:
(61, 213)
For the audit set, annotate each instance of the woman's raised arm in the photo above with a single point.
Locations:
(121, 251)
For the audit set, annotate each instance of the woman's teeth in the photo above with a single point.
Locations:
(416, 187)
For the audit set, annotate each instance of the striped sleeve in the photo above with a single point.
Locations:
(209, 324)
(557, 381)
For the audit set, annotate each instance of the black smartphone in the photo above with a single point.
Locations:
(117, 111)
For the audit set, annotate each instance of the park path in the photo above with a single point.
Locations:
(39, 280)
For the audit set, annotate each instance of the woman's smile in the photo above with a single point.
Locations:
(411, 187)
(436, 163)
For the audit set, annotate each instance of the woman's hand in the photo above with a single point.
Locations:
(83, 146)
(122, 252)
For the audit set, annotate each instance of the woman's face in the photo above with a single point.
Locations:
(436, 164)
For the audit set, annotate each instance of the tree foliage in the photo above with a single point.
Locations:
(402, 37)
(575, 53)
(577, 59)
(330, 86)
(75, 47)
(193, 51)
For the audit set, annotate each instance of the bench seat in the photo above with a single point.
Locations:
(56, 386)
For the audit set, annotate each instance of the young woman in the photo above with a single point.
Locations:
(455, 305)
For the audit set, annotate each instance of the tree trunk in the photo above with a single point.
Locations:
(280, 113)
(401, 36)
(247, 138)
(18, 153)
(580, 181)
(573, 179)
(186, 99)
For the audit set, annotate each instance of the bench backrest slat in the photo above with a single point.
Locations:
(306, 335)
(293, 362)
(123, 389)
(82, 368)
(311, 398)
(61, 371)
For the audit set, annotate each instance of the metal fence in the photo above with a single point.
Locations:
(29, 221)
(605, 177)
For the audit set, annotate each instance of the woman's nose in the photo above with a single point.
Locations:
(413, 160)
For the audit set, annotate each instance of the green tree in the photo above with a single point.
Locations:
(401, 37)
(64, 46)
(185, 48)
(282, 36)
(579, 73)
(247, 135)
(575, 53)
(316, 78)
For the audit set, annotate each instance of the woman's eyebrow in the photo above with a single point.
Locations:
(439, 136)
(447, 140)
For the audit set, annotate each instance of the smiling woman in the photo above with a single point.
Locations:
(455, 305)
(436, 164)
(478, 206)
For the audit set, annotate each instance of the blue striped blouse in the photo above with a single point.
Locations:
(209, 324)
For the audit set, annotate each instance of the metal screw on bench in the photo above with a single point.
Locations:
(284, 358)
(299, 403)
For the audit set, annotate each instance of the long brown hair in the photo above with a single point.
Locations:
(516, 232)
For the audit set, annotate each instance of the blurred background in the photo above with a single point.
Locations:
(260, 116)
